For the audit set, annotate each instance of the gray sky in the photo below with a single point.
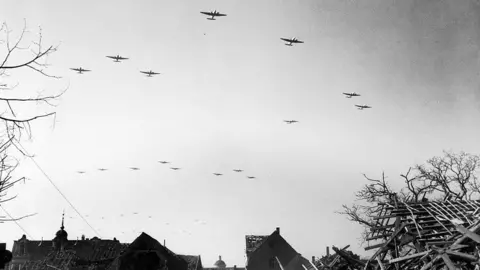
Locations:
(225, 88)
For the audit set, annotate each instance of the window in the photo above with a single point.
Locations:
(272, 263)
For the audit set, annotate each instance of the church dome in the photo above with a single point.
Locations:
(220, 263)
(62, 233)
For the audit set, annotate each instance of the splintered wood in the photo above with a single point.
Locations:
(425, 235)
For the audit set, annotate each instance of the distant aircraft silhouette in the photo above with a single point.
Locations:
(251, 177)
(102, 169)
(213, 14)
(361, 107)
(134, 168)
(217, 174)
(173, 168)
(117, 58)
(290, 41)
(149, 73)
(238, 170)
(81, 172)
(164, 162)
(290, 121)
(80, 70)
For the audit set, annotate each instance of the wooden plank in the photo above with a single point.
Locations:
(382, 267)
(409, 257)
(448, 262)
(475, 237)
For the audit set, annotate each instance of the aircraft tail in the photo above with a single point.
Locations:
(211, 19)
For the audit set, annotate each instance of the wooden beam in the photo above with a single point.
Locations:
(409, 257)
(475, 237)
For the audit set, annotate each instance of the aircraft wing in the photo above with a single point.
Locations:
(121, 58)
(113, 57)
(144, 72)
(154, 73)
(286, 39)
(360, 106)
(220, 15)
(76, 69)
(298, 41)
(208, 13)
(86, 70)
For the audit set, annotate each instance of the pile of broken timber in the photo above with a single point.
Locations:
(428, 235)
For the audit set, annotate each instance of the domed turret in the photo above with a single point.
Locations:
(61, 237)
(220, 263)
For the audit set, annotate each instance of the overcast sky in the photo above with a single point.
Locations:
(226, 87)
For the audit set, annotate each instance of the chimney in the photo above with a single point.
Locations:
(164, 243)
(83, 236)
(328, 251)
(235, 267)
(219, 257)
(278, 230)
(313, 259)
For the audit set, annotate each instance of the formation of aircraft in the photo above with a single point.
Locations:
(290, 121)
(150, 73)
(361, 107)
(350, 95)
(173, 168)
(80, 70)
(117, 58)
(291, 41)
(354, 94)
(213, 14)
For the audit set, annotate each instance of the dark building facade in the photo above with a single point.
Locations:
(60, 252)
(147, 253)
(273, 252)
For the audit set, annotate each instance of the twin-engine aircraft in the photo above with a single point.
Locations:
(213, 14)
(117, 58)
(290, 41)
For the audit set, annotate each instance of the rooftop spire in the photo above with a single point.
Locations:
(63, 218)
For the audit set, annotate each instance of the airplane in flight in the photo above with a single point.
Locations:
(173, 168)
(3, 85)
(217, 174)
(134, 168)
(149, 73)
(238, 170)
(251, 177)
(290, 121)
(214, 14)
(350, 95)
(290, 41)
(80, 70)
(164, 162)
(80, 172)
(361, 107)
(117, 58)
(102, 169)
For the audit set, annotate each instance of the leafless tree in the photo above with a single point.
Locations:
(19, 54)
(451, 176)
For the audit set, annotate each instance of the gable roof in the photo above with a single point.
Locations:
(283, 250)
(252, 242)
(146, 243)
